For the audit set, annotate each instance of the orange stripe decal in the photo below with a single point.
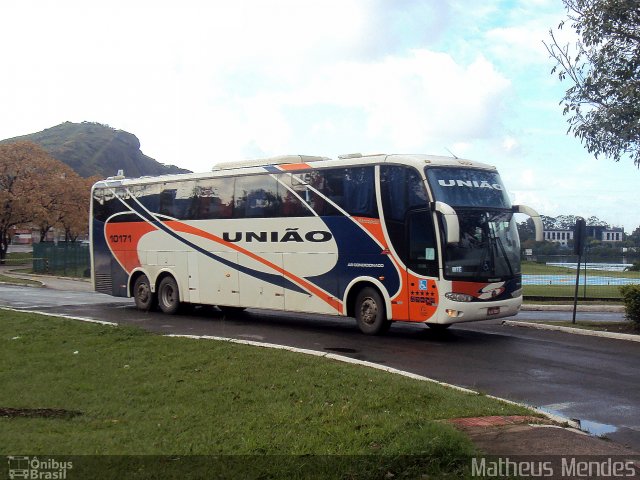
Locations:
(290, 167)
(310, 287)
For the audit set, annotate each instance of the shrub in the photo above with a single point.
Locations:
(631, 297)
(633, 268)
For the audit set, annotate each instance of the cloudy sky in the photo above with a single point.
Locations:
(201, 82)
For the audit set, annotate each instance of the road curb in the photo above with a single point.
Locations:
(577, 331)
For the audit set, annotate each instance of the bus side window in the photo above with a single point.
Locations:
(290, 203)
(213, 198)
(167, 200)
(256, 196)
(359, 192)
(352, 189)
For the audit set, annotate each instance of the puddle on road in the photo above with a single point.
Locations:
(595, 428)
(589, 426)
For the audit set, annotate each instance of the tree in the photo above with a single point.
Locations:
(74, 212)
(24, 170)
(603, 67)
(32, 189)
(635, 237)
(51, 201)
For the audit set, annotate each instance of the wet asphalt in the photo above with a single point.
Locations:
(590, 379)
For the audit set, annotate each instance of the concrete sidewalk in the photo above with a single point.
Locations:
(504, 436)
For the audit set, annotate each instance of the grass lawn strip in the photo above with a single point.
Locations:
(144, 394)
(18, 281)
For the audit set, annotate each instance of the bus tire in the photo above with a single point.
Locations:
(370, 312)
(168, 296)
(142, 294)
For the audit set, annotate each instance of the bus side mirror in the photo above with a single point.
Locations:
(451, 223)
(537, 221)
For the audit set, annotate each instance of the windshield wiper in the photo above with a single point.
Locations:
(504, 253)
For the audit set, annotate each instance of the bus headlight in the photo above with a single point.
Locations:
(459, 297)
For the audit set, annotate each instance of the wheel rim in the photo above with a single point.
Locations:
(168, 295)
(368, 311)
(143, 293)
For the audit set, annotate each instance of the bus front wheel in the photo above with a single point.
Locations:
(142, 294)
(370, 312)
(168, 295)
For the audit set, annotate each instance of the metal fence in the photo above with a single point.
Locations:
(550, 276)
(66, 259)
(555, 277)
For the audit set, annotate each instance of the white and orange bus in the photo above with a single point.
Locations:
(381, 238)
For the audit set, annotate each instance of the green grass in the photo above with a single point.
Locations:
(18, 258)
(144, 394)
(18, 281)
(592, 291)
(535, 268)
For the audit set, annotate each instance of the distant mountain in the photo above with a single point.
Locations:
(96, 149)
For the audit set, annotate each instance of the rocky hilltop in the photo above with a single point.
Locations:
(94, 149)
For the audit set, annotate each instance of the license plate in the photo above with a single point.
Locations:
(493, 310)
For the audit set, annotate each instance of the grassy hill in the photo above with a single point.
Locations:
(95, 149)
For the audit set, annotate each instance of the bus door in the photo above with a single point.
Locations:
(422, 264)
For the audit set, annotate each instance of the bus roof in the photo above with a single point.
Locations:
(293, 163)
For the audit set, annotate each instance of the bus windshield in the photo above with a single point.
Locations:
(468, 187)
(489, 248)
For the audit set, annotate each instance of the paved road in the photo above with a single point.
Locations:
(591, 379)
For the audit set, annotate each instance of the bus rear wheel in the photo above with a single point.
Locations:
(168, 295)
(142, 294)
(370, 312)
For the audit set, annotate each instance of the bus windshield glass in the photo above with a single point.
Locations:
(489, 248)
(468, 187)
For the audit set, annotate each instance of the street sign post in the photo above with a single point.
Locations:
(579, 241)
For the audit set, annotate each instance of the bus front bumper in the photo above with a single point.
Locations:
(456, 312)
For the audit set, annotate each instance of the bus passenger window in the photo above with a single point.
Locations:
(293, 204)
(352, 189)
(256, 196)
(167, 200)
(213, 198)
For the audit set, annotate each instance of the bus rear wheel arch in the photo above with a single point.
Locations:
(369, 310)
(168, 295)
